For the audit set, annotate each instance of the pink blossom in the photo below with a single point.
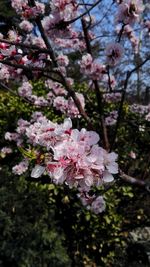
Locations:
(72, 110)
(111, 118)
(41, 101)
(91, 68)
(21, 168)
(26, 26)
(19, 4)
(36, 116)
(76, 158)
(25, 90)
(22, 124)
(63, 60)
(56, 87)
(86, 63)
(66, 8)
(98, 205)
(112, 97)
(129, 11)
(10, 136)
(114, 52)
(139, 109)
(4, 72)
(60, 103)
(111, 166)
(34, 40)
(93, 203)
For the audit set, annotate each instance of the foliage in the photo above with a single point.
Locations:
(29, 236)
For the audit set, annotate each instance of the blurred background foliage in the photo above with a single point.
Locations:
(44, 225)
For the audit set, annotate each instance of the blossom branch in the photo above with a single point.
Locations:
(21, 66)
(97, 90)
(84, 13)
(77, 102)
(44, 36)
(34, 47)
(52, 55)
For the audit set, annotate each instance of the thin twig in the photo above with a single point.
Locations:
(84, 13)
(129, 180)
(14, 93)
(109, 80)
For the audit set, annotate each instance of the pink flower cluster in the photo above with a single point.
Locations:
(26, 26)
(71, 156)
(56, 98)
(93, 203)
(22, 7)
(129, 11)
(55, 24)
(17, 56)
(140, 109)
(25, 90)
(67, 9)
(112, 118)
(91, 68)
(114, 52)
(21, 168)
(62, 60)
(129, 32)
(112, 97)
(59, 100)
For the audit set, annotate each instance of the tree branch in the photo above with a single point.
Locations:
(97, 91)
(128, 75)
(138, 182)
(84, 13)
(34, 47)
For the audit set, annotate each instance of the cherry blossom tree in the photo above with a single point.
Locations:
(38, 49)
